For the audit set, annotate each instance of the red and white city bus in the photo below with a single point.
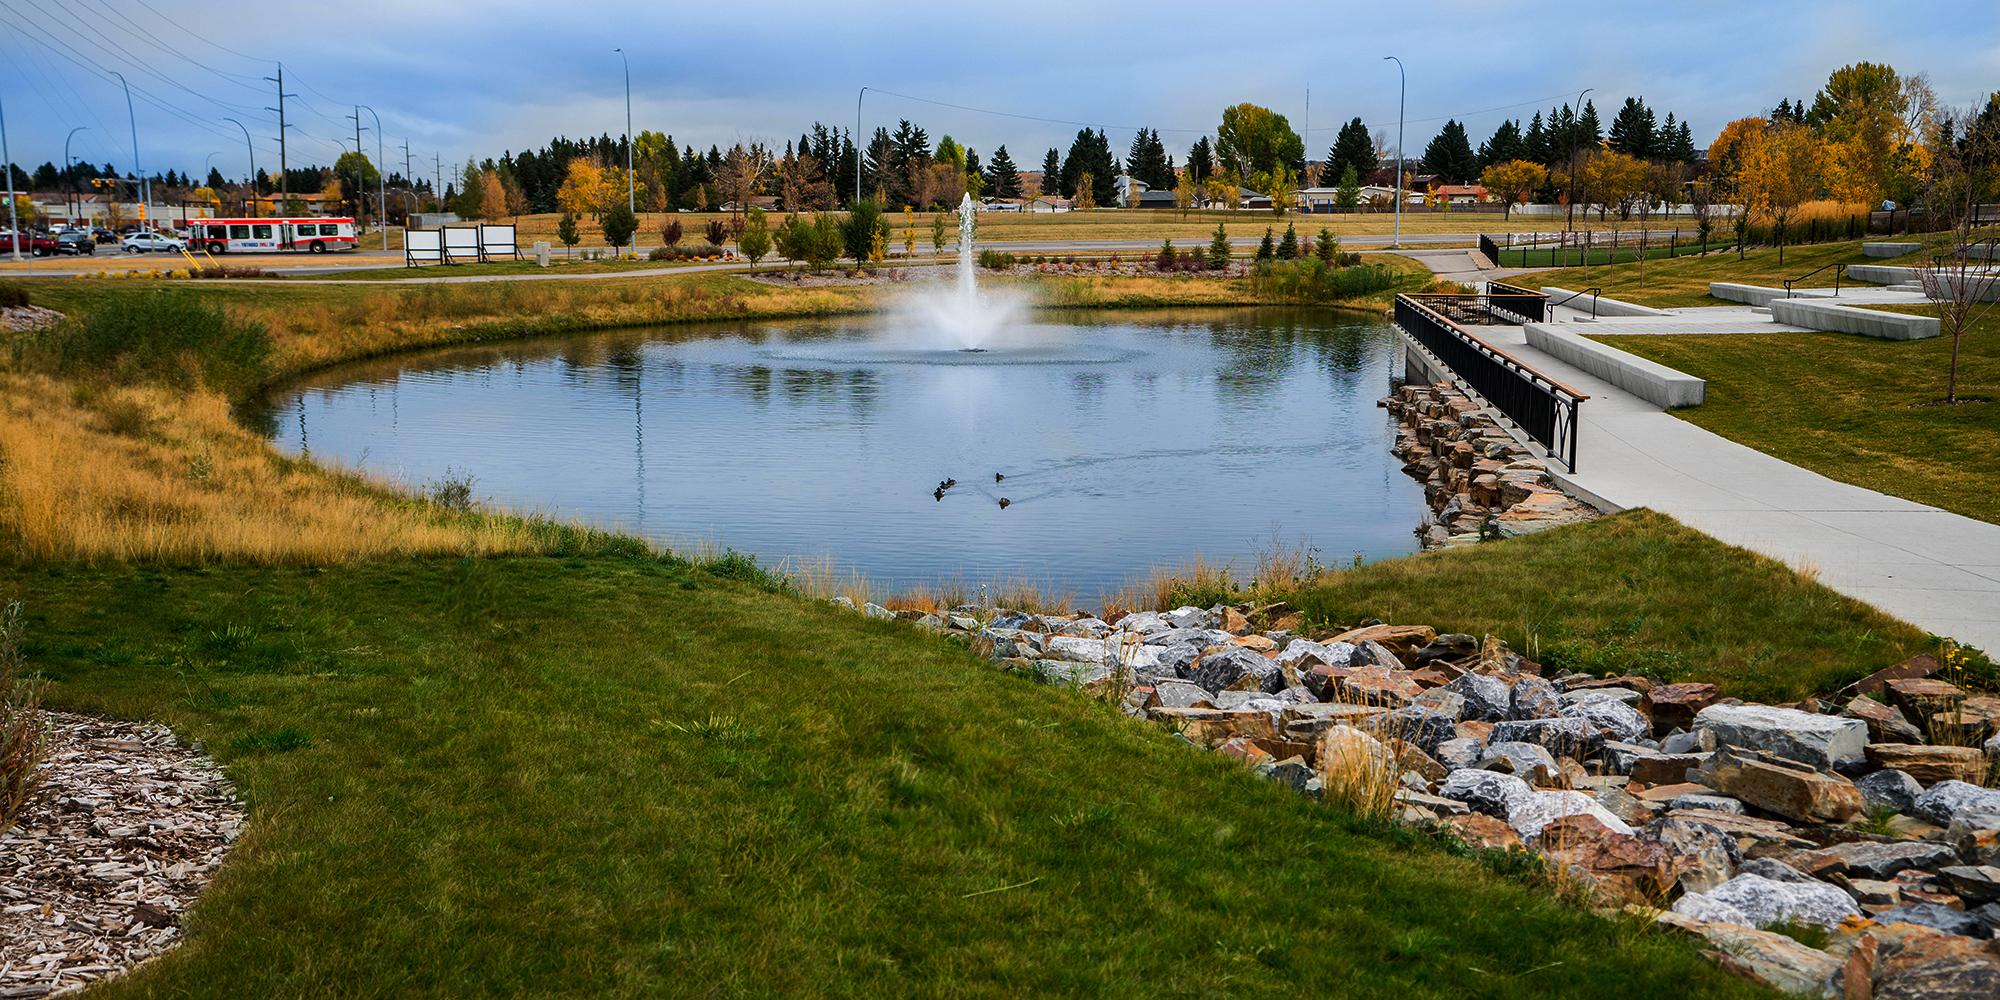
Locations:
(313, 235)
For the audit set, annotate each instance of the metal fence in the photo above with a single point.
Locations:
(1526, 304)
(1541, 406)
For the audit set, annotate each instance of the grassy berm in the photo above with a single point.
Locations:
(616, 776)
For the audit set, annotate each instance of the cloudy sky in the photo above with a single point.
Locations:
(456, 79)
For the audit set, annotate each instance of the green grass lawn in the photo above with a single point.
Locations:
(615, 777)
(1637, 592)
(1597, 255)
(1856, 409)
(1683, 281)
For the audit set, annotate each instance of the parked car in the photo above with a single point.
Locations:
(29, 243)
(76, 242)
(142, 242)
(104, 236)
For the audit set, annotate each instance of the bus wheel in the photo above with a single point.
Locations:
(318, 247)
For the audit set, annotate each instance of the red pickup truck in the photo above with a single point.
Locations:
(30, 243)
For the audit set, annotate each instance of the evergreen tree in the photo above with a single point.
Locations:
(1683, 145)
(878, 163)
(1288, 247)
(1506, 144)
(1535, 142)
(1218, 249)
(1268, 248)
(1348, 194)
(1352, 148)
(1052, 173)
(1589, 132)
(1002, 179)
(1090, 153)
(1147, 162)
(1633, 129)
(1449, 155)
(1327, 247)
(1666, 137)
(1201, 160)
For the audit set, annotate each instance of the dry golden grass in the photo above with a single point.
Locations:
(147, 475)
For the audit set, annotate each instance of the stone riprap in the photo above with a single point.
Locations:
(1724, 819)
(1479, 482)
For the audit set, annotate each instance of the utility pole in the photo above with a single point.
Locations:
(360, 178)
(437, 180)
(146, 204)
(410, 179)
(381, 179)
(1402, 90)
(250, 179)
(1576, 121)
(1305, 141)
(284, 165)
(13, 210)
(631, 202)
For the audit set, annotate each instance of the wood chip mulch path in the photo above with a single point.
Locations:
(95, 876)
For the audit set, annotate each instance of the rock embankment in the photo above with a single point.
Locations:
(1837, 847)
(1480, 483)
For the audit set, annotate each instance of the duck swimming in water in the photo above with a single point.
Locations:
(938, 494)
(949, 483)
(997, 477)
(1004, 502)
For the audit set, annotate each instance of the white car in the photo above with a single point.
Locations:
(142, 242)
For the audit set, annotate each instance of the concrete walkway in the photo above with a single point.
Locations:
(1930, 567)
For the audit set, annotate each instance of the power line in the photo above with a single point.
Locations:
(132, 59)
(135, 31)
(82, 61)
(197, 36)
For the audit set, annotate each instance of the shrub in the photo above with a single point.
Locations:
(670, 234)
(13, 296)
(995, 260)
(1310, 280)
(716, 234)
(864, 229)
(23, 735)
(168, 337)
(1167, 259)
(755, 239)
(618, 224)
(1268, 248)
(1218, 248)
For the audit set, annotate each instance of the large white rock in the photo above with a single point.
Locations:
(1756, 901)
(1614, 718)
(1530, 813)
(1076, 649)
(1332, 654)
(1489, 792)
(1822, 741)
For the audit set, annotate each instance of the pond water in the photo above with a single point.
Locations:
(1128, 441)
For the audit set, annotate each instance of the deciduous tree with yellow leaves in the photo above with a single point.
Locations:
(1782, 169)
(586, 189)
(1514, 181)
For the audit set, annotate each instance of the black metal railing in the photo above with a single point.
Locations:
(1527, 304)
(1489, 248)
(1593, 291)
(1839, 269)
(1545, 409)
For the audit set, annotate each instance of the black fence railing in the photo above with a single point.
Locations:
(1489, 248)
(1542, 407)
(1524, 303)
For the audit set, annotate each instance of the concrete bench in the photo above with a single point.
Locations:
(1822, 315)
(1882, 274)
(1756, 295)
(1889, 249)
(1649, 380)
(1605, 306)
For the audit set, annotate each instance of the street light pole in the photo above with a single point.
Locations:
(381, 181)
(145, 186)
(250, 179)
(631, 184)
(13, 210)
(1578, 120)
(857, 147)
(1402, 91)
(69, 208)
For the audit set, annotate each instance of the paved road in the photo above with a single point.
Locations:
(1927, 566)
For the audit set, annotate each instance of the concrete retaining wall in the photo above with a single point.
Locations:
(1653, 382)
(1756, 295)
(1889, 249)
(1883, 274)
(1823, 315)
(1605, 306)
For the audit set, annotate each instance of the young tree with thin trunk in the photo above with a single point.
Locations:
(1781, 171)
(1965, 170)
(1515, 181)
